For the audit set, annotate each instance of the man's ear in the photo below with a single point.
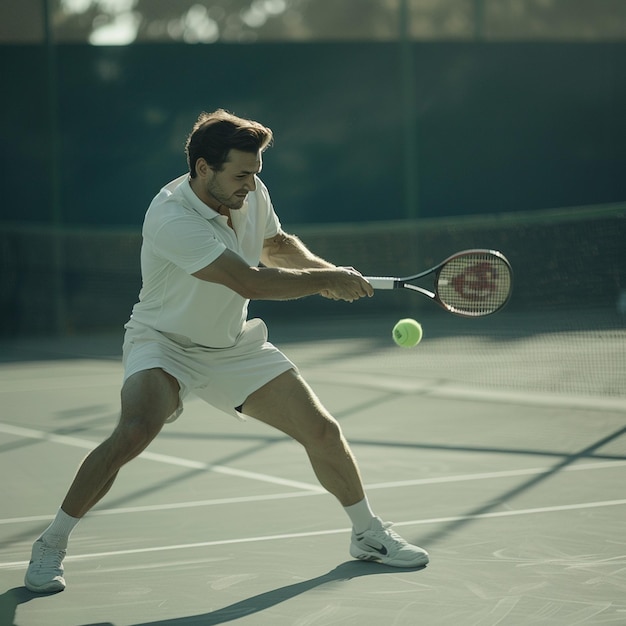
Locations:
(203, 169)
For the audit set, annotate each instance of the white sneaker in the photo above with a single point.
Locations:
(45, 570)
(382, 544)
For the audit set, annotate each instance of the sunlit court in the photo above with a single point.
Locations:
(442, 260)
(517, 493)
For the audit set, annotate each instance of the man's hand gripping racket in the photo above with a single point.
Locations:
(471, 283)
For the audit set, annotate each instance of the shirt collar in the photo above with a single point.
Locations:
(194, 202)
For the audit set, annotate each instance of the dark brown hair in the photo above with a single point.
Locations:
(215, 134)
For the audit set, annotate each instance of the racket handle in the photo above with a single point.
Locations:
(381, 282)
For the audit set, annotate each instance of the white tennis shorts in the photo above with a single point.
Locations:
(223, 377)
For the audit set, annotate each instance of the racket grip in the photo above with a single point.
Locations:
(381, 282)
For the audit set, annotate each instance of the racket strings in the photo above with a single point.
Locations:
(474, 284)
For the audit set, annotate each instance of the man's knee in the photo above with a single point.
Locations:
(148, 399)
(132, 436)
(326, 433)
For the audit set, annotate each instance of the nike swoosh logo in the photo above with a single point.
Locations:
(374, 545)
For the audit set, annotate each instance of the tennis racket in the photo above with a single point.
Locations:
(471, 283)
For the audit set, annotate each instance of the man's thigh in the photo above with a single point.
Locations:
(290, 405)
(149, 396)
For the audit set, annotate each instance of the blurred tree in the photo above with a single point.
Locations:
(239, 21)
(569, 20)
(245, 21)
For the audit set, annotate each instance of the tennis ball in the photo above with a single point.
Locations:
(407, 333)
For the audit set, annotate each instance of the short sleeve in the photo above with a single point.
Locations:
(187, 242)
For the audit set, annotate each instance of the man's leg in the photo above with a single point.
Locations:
(148, 399)
(290, 405)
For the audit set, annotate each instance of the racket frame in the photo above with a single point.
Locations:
(390, 282)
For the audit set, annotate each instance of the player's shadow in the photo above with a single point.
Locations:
(12, 598)
(344, 572)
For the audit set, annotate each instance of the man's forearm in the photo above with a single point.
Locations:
(281, 283)
(288, 251)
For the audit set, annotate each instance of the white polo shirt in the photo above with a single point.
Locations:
(181, 235)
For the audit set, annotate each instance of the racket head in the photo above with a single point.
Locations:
(474, 283)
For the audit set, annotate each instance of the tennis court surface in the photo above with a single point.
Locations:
(499, 445)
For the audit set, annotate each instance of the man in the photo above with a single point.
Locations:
(211, 243)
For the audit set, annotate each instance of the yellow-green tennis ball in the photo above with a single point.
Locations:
(407, 333)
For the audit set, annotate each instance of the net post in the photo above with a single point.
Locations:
(407, 86)
(54, 161)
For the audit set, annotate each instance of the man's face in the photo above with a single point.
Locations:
(231, 185)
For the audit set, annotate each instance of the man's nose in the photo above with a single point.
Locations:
(250, 184)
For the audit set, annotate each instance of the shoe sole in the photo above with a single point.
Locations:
(50, 587)
(379, 558)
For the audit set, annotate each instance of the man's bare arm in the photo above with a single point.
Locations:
(284, 283)
(284, 250)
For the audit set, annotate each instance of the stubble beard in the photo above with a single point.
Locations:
(232, 202)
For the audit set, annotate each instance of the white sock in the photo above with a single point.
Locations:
(58, 533)
(361, 515)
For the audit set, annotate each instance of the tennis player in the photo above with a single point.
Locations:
(211, 243)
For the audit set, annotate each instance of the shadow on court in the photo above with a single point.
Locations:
(11, 599)
(476, 471)
(286, 329)
(503, 498)
(344, 572)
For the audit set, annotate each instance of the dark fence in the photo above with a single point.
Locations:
(83, 280)
(499, 127)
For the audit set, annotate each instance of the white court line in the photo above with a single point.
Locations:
(169, 507)
(403, 385)
(533, 471)
(30, 433)
(445, 389)
(334, 531)
(60, 383)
